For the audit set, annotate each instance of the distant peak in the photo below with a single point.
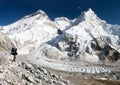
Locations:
(39, 12)
(90, 10)
(89, 13)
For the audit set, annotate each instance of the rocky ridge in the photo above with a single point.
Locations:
(27, 74)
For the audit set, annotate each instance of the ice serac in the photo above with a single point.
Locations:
(30, 31)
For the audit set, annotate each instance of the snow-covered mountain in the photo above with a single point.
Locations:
(89, 36)
(86, 37)
(32, 30)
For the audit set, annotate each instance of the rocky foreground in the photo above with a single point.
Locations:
(24, 73)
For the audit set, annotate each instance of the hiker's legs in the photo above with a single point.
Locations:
(14, 58)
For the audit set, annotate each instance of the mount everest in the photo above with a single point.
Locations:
(87, 38)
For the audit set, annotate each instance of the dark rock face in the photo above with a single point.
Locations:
(59, 31)
(109, 54)
(100, 47)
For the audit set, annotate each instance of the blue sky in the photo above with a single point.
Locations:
(13, 10)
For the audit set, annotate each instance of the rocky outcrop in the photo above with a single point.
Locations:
(39, 75)
(25, 73)
(72, 45)
(109, 54)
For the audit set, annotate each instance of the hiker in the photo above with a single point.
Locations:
(14, 53)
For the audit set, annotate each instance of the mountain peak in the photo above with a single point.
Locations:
(39, 12)
(89, 14)
(89, 11)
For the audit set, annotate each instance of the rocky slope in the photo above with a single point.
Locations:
(24, 73)
(5, 46)
(27, 74)
(5, 43)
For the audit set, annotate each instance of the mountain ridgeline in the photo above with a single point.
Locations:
(86, 38)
